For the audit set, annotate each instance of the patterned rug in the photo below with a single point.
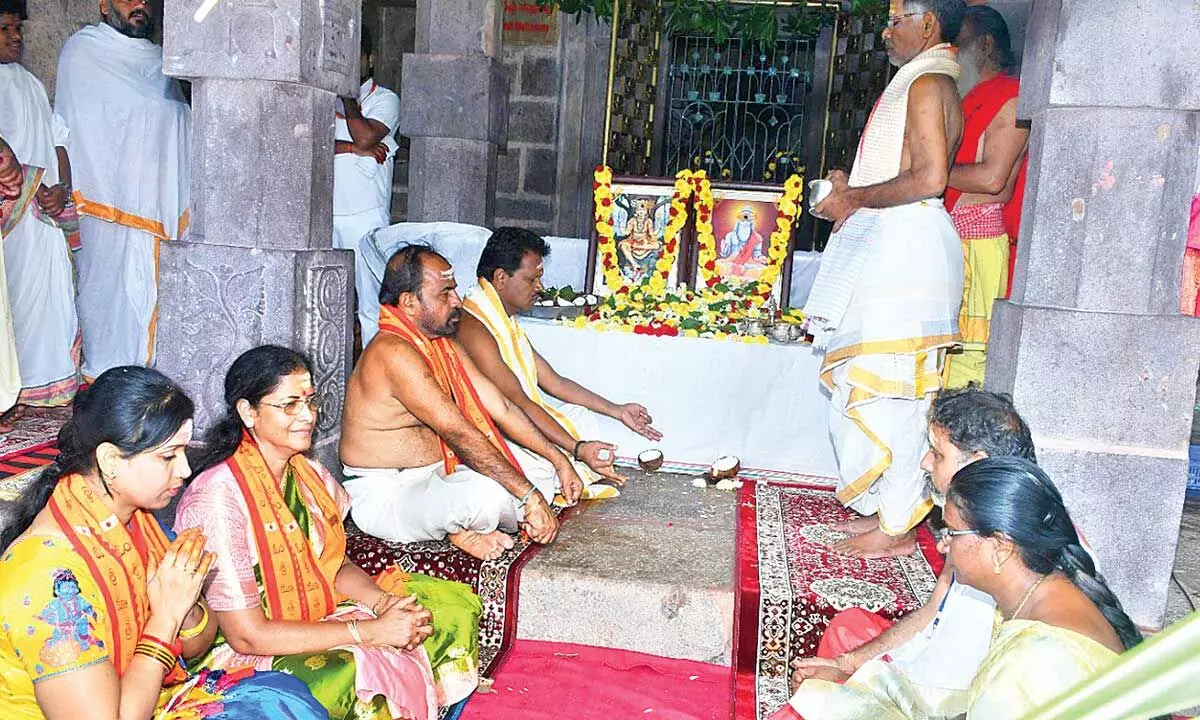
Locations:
(37, 427)
(789, 585)
(18, 471)
(495, 581)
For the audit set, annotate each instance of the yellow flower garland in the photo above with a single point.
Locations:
(709, 311)
(604, 200)
(777, 248)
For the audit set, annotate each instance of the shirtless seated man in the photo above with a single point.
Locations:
(421, 441)
(509, 282)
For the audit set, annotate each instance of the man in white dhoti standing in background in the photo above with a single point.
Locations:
(11, 184)
(364, 149)
(129, 152)
(885, 305)
(37, 258)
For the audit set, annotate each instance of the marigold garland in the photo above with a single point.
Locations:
(712, 310)
(777, 247)
(606, 231)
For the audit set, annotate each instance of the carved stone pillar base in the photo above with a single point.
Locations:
(216, 302)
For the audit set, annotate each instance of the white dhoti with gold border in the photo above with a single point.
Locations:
(882, 363)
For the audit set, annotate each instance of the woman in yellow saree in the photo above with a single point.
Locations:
(406, 643)
(99, 604)
(1009, 535)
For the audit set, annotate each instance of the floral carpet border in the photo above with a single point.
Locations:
(763, 609)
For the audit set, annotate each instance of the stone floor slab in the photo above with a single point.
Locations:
(651, 571)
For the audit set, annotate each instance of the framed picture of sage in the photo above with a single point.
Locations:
(748, 243)
(633, 233)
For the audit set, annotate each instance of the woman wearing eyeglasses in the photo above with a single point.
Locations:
(1009, 535)
(99, 606)
(274, 519)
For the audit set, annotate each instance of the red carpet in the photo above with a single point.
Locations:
(788, 586)
(17, 471)
(495, 581)
(560, 681)
(28, 448)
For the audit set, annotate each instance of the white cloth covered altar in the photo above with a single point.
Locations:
(709, 398)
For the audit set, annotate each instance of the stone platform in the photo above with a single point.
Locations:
(650, 571)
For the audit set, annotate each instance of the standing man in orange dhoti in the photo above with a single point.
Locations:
(982, 181)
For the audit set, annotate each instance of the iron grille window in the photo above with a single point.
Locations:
(737, 110)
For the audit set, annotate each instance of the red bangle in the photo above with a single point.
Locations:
(175, 648)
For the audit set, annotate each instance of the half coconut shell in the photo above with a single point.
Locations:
(725, 467)
(650, 460)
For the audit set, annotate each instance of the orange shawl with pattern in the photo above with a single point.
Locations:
(297, 583)
(120, 559)
(442, 358)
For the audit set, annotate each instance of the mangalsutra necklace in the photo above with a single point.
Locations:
(1028, 594)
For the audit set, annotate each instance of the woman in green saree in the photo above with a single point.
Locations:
(274, 518)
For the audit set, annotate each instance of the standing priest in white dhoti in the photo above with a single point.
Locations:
(130, 129)
(885, 304)
(37, 258)
(364, 151)
(510, 280)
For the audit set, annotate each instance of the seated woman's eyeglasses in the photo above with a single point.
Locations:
(947, 533)
(293, 407)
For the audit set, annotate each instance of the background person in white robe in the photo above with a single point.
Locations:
(364, 148)
(41, 289)
(11, 180)
(129, 155)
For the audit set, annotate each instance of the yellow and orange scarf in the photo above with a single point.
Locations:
(447, 368)
(297, 583)
(120, 559)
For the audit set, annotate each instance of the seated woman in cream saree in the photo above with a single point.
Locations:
(406, 645)
(1058, 624)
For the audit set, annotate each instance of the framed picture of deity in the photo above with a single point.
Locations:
(745, 238)
(640, 235)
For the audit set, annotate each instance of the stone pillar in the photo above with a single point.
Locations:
(453, 108)
(257, 266)
(1092, 345)
(584, 88)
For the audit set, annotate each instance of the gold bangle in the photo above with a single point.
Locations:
(379, 601)
(198, 628)
(156, 654)
(352, 626)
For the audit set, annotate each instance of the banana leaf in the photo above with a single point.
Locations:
(1159, 676)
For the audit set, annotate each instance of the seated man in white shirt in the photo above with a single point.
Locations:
(939, 646)
(364, 147)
